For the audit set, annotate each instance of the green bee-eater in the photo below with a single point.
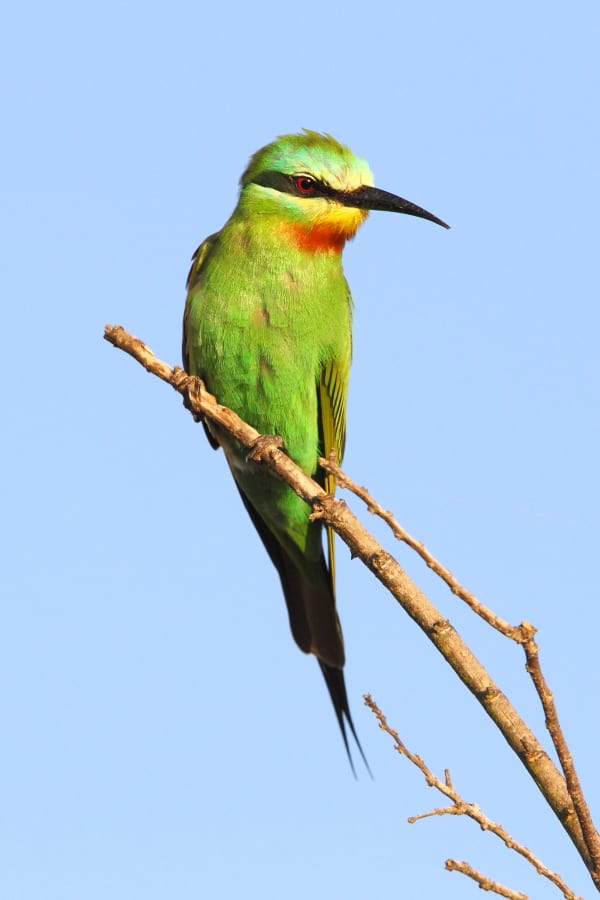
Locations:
(267, 326)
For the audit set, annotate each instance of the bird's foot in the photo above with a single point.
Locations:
(191, 395)
(261, 449)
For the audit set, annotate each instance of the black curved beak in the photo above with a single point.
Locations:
(366, 197)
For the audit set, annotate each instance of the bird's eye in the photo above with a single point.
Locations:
(305, 184)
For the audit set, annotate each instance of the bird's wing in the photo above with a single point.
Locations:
(332, 426)
(198, 261)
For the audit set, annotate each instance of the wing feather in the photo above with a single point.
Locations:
(198, 260)
(332, 421)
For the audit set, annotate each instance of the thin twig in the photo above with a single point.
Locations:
(461, 808)
(485, 883)
(514, 632)
(582, 810)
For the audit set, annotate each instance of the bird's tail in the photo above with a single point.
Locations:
(336, 685)
(309, 595)
(316, 629)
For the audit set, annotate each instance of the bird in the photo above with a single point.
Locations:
(268, 327)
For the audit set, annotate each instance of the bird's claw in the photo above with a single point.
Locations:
(190, 398)
(264, 444)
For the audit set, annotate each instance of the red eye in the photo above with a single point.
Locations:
(305, 184)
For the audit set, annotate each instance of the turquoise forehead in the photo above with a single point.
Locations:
(310, 153)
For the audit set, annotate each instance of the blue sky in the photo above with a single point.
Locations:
(161, 735)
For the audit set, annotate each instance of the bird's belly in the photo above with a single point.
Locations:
(271, 382)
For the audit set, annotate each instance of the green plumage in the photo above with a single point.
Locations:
(267, 326)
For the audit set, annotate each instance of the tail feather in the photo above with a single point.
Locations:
(336, 685)
(313, 620)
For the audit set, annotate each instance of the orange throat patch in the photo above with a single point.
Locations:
(327, 235)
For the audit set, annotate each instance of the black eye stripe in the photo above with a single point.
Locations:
(289, 184)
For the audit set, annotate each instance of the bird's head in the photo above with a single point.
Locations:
(318, 191)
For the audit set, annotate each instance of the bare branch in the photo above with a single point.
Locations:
(335, 513)
(590, 835)
(523, 634)
(513, 632)
(461, 808)
(485, 883)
